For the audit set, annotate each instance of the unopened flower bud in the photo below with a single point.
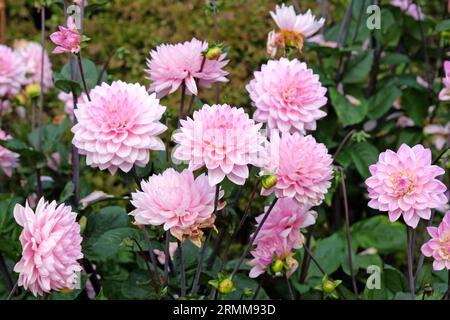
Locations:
(213, 53)
(269, 181)
(21, 99)
(33, 90)
(226, 286)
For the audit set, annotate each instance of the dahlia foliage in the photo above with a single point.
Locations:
(234, 163)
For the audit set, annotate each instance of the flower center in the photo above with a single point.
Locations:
(404, 183)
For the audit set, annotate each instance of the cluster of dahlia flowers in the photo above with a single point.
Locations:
(293, 28)
(279, 236)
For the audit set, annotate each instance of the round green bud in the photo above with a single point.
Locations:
(277, 265)
(213, 53)
(269, 181)
(226, 286)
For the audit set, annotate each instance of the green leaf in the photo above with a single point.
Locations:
(379, 233)
(410, 136)
(328, 251)
(443, 25)
(415, 103)
(67, 191)
(394, 58)
(363, 155)
(109, 243)
(347, 113)
(359, 67)
(106, 219)
(382, 101)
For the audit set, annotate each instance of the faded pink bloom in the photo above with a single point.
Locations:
(93, 196)
(280, 234)
(51, 245)
(320, 40)
(5, 107)
(67, 98)
(302, 166)
(409, 8)
(172, 64)
(118, 127)
(54, 161)
(439, 134)
(31, 53)
(404, 122)
(272, 43)
(422, 82)
(404, 183)
(222, 138)
(67, 39)
(287, 96)
(444, 94)
(438, 246)
(304, 24)
(8, 160)
(12, 72)
(161, 256)
(177, 201)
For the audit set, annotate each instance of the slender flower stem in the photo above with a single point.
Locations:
(182, 271)
(166, 261)
(83, 79)
(183, 95)
(252, 240)
(6, 275)
(314, 260)
(347, 230)
(219, 240)
(198, 271)
(191, 100)
(410, 263)
(13, 290)
(343, 143)
(288, 283)
(258, 288)
(150, 251)
(239, 227)
(306, 256)
(152, 273)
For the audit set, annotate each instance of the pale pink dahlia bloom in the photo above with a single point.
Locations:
(444, 94)
(8, 160)
(409, 8)
(280, 234)
(404, 183)
(51, 245)
(67, 39)
(177, 201)
(287, 20)
(172, 64)
(12, 72)
(438, 246)
(118, 127)
(31, 53)
(222, 138)
(302, 166)
(287, 96)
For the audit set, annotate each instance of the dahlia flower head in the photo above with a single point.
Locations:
(67, 39)
(222, 138)
(8, 160)
(51, 245)
(31, 53)
(410, 8)
(172, 64)
(404, 183)
(12, 72)
(438, 247)
(177, 201)
(118, 127)
(444, 94)
(287, 96)
(280, 234)
(302, 166)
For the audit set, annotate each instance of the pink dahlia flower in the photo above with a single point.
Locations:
(404, 183)
(287, 20)
(67, 39)
(172, 64)
(8, 160)
(438, 246)
(409, 8)
(118, 127)
(444, 95)
(51, 245)
(12, 72)
(31, 53)
(178, 201)
(302, 166)
(287, 96)
(222, 138)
